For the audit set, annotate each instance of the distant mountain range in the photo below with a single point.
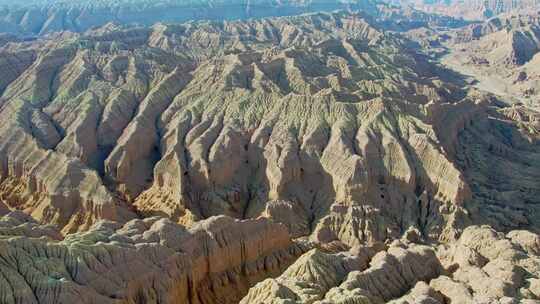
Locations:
(42, 17)
(39, 17)
(472, 9)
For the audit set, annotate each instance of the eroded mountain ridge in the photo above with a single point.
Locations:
(322, 133)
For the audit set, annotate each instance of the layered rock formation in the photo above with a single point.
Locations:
(144, 261)
(206, 119)
(503, 53)
(483, 266)
(184, 163)
(506, 40)
(339, 121)
(216, 261)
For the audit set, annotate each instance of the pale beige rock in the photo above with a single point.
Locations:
(188, 121)
(323, 278)
(321, 127)
(503, 54)
(421, 293)
(397, 269)
(483, 266)
(490, 265)
(456, 292)
(142, 261)
(529, 241)
(289, 214)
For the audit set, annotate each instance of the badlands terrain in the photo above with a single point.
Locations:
(380, 155)
(472, 9)
(503, 55)
(41, 17)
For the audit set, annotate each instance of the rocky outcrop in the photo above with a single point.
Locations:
(310, 277)
(143, 261)
(490, 267)
(368, 275)
(483, 266)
